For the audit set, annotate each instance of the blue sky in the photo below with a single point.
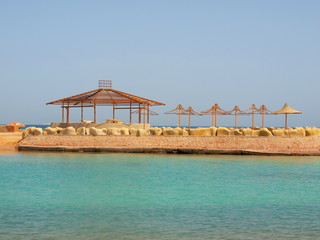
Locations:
(196, 53)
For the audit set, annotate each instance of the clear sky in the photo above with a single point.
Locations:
(196, 53)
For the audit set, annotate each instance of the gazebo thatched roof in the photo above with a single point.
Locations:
(105, 97)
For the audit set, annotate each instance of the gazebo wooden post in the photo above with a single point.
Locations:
(148, 120)
(130, 112)
(68, 113)
(139, 113)
(94, 113)
(144, 118)
(62, 108)
(82, 112)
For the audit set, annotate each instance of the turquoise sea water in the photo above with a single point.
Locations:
(133, 196)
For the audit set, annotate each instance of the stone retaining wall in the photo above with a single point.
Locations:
(175, 144)
(168, 131)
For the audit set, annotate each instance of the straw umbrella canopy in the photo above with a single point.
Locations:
(286, 109)
(189, 111)
(263, 111)
(214, 111)
(179, 110)
(145, 111)
(235, 111)
(252, 110)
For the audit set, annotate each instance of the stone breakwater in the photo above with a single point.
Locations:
(167, 131)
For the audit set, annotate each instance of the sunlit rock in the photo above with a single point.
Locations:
(69, 131)
(223, 132)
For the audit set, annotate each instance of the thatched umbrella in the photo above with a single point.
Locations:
(286, 109)
(190, 112)
(252, 110)
(235, 111)
(263, 111)
(214, 111)
(179, 110)
(145, 111)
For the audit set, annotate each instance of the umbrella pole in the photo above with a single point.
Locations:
(236, 120)
(189, 120)
(179, 119)
(286, 121)
(262, 120)
(212, 123)
(215, 119)
(252, 120)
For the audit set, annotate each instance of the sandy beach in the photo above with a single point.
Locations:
(9, 141)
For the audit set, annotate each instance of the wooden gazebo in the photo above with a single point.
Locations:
(105, 96)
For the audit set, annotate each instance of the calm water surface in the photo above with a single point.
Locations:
(133, 196)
